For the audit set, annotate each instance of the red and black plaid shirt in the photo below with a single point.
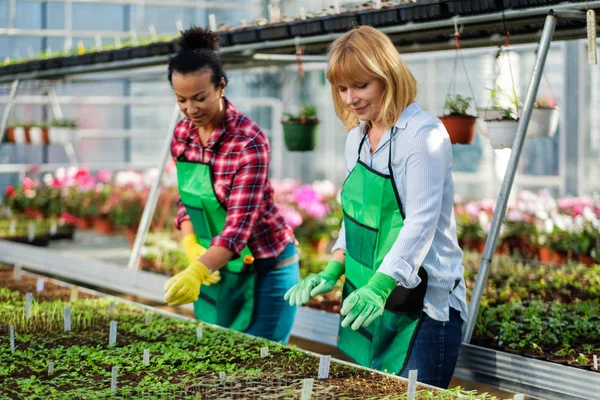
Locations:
(241, 183)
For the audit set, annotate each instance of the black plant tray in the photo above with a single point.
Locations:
(529, 3)
(307, 27)
(161, 48)
(7, 70)
(41, 241)
(274, 32)
(103, 56)
(121, 54)
(55, 62)
(140, 51)
(340, 22)
(21, 68)
(224, 39)
(376, 18)
(34, 65)
(423, 10)
(245, 35)
(465, 7)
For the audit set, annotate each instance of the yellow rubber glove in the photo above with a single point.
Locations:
(184, 287)
(193, 250)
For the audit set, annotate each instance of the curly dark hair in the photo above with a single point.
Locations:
(196, 50)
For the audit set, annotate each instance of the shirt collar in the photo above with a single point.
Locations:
(230, 113)
(409, 112)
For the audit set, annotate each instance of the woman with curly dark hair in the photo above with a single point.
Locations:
(226, 213)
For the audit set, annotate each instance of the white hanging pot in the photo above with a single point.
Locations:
(61, 135)
(502, 133)
(21, 134)
(35, 134)
(485, 115)
(543, 122)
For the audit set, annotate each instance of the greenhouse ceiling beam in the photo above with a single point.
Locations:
(115, 100)
(112, 166)
(61, 33)
(161, 3)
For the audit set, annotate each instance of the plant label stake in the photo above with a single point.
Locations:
(264, 352)
(336, 6)
(519, 396)
(595, 362)
(412, 384)
(134, 38)
(591, 37)
(113, 381)
(302, 13)
(146, 356)
(244, 23)
(112, 339)
(377, 4)
(53, 228)
(74, 293)
(17, 272)
(67, 312)
(222, 377)
(212, 22)
(12, 229)
(50, 368)
(28, 299)
(324, 362)
(31, 232)
(148, 319)
(48, 51)
(68, 44)
(153, 33)
(12, 338)
(39, 287)
(98, 43)
(199, 333)
(307, 387)
(179, 25)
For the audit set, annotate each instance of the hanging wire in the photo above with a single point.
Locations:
(459, 54)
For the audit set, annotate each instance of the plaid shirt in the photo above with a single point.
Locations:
(241, 183)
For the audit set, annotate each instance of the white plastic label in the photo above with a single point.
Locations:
(148, 319)
(12, 338)
(118, 42)
(307, 387)
(39, 287)
(31, 232)
(377, 4)
(146, 356)
(53, 229)
(112, 338)
(12, 229)
(222, 377)
(28, 300)
(17, 272)
(212, 22)
(264, 352)
(199, 333)
(519, 396)
(302, 13)
(412, 384)
(595, 362)
(324, 362)
(591, 37)
(113, 381)
(153, 33)
(98, 43)
(50, 368)
(111, 307)
(74, 293)
(67, 312)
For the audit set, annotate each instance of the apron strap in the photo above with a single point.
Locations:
(361, 143)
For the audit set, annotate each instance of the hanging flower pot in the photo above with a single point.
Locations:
(461, 127)
(502, 133)
(300, 131)
(543, 122)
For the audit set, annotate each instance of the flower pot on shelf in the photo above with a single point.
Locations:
(300, 136)
(39, 135)
(461, 128)
(543, 122)
(20, 135)
(502, 133)
(103, 225)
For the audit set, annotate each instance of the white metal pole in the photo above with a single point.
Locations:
(144, 226)
(9, 105)
(490, 244)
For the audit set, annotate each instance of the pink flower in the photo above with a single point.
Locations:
(9, 191)
(472, 209)
(316, 210)
(27, 183)
(515, 215)
(291, 216)
(57, 183)
(104, 176)
(305, 195)
(82, 173)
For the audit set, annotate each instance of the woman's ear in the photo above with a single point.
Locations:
(222, 86)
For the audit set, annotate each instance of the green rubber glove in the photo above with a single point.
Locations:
(193, 251)
(315, 284)
(364, 305)
(184, 287)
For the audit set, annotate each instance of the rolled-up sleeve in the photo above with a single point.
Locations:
(423, 174)
(247, 191)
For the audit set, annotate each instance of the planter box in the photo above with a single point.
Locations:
(423, 10)
(140, 51)
(382, 17)
(307, 27)
(121, 54)
(274, 32)
(103, 56)
(465, 7)
(35, 65)
(340, 23)
(55, 62)
(502, 133)
(161, 48)
(244, 36)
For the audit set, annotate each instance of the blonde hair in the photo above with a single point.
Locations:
(365, 53)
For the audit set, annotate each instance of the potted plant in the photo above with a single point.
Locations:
(544, 118)
(460, 126)
(18, 132)
(62, 131)
(501, 120)
(300, 130)
(38, 133)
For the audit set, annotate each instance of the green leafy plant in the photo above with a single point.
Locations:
(457, 104)
(307, 115)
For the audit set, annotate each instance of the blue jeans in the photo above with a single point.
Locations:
(435, 351)
(273, 316)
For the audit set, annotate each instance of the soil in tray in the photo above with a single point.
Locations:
(28, 284)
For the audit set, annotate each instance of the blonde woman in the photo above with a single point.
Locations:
(404, 292)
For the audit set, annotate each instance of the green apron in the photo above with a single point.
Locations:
(373, 217)
(229, 303)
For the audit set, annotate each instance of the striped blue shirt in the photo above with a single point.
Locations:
(422, 168)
